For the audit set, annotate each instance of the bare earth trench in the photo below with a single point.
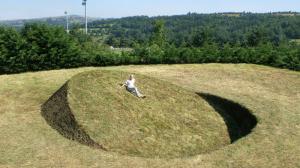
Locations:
(273, 95)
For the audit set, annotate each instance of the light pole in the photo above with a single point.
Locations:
(67, 18)
(86, 26)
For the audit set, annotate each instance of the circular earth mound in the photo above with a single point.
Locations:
(170, 122)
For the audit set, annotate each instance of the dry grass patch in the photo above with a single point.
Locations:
(272, 95)
(171, 122)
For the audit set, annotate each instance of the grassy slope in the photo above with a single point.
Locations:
(171, 118)
(272, 94)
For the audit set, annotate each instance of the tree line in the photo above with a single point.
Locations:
(42, 47)
(192, 29)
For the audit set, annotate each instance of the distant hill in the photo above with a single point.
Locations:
(60, 20)
(191, 28)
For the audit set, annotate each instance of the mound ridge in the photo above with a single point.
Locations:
(59, 116)
(171, 122)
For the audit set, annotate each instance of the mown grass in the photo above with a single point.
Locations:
(171, 122)
(273, 96)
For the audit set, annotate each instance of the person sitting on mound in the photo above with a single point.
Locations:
(130, 87)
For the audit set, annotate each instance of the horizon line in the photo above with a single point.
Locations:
(150, 16)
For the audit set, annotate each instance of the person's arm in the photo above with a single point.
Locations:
(123, 84)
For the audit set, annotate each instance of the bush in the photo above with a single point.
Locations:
(37, 47)
(42, 47)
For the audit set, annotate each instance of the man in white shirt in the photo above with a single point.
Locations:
(130, 87)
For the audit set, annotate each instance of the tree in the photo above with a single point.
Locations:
(12, 51)
(159, 37)
(201, 37)
(256, 37)
(50, 47)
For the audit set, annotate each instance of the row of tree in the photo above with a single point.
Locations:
(246, 29)
(37, 47)
(43, 47)
(283, 56)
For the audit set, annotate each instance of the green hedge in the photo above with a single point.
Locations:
(282, 56)
(41, 47)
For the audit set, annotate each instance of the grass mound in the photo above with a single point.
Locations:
(272, 95)
(59, 116)
(170, 122)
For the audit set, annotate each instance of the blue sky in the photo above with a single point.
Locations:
(16, 9)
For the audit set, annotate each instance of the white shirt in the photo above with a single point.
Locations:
(130, 83)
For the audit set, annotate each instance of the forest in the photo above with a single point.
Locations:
(192, 29)
(269, 39)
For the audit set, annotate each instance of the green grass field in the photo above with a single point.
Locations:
(272, 95)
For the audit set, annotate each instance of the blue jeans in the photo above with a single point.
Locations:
(134, 91)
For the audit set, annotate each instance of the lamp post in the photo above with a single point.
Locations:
(86, 26)
(67, 18)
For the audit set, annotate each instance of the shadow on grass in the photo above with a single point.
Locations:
(238, 118)
(59, 116)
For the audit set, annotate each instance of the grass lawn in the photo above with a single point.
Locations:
(272, 95)
(171, 118)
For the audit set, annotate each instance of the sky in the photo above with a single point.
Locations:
(21, 9)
